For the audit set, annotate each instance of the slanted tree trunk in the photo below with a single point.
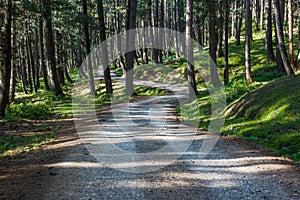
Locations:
(32, 64)
(5, 57)
(47, 15)
(213, 41)
(269, 38)
(29, 77)
(248, 24)
(130, 24)
(189, 49)
(88, 48)
(37, 57)
(104, 55)
(280, 45)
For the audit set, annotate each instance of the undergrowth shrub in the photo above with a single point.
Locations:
(28, 110)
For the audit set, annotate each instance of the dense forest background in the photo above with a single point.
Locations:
(44, 42)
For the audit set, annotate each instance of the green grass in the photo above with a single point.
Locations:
(269, 115)
(15, 144)
(266, 111)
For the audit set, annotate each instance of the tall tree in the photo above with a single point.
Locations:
(280, 44)
(5, 56)
(130, 25)
(88, 47)
(42, 58)
(107, 78)
(189, 49)
(269, 39)
(50, 47)
(291, 35)
(298, 58)
(226, 69)
(248, 24)
(213, 42)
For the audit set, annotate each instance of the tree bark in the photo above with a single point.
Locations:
(5, 57)
(226, 68)
(291, 26)
(47, 15)
(262, 11)
(298, 58)
(269, 38)
(131, 24)
(88, 48)
(248, 24)
(42, 58)
(213, 44)
(13, 62)
(107, 78)
(189, 49)
(220, 52)
(281, 46)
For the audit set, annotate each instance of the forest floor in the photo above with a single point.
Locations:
(66, 168)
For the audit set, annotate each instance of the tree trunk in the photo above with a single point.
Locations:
(29, 68)
(47, 15)
(88, 48)
(248, 24)
(226, 69)
(220, 53)
(269, 39)
(298, 58)
(291, 40)
(213, 44)
(5, 57)
(37, 57)
(13, 62)
(281, 46)
(104, 56)
(42, 58)
(279, 61)
(59, 57)
(131, 24)
(239, 24)
(32, 64)
(189, 49)
(262, 7)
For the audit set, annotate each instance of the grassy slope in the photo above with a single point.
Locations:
(266, 111)
(269, 115)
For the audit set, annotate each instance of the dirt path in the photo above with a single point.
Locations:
(70, 168)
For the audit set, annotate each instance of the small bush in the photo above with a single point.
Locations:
(238, 88)
(28, 110)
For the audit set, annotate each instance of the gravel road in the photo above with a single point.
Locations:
(142, 151)
(234, 169)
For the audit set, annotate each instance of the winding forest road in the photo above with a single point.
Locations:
(73, 167)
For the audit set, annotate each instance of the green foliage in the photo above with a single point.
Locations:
(28, 110)
(238, 88)
(14, 144)
(148, 91)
